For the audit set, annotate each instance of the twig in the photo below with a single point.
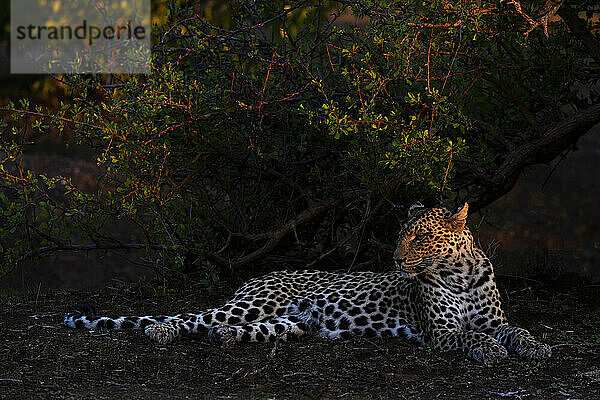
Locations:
(562, 158)
(521, 290)
(169, 235)
(247, 374)
(509, 394)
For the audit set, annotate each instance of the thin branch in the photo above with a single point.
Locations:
(54, 117)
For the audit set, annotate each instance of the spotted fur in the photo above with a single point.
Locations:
(441, 294)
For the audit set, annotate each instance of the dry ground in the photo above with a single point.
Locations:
(41, 359)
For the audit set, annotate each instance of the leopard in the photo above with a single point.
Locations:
(440, 293)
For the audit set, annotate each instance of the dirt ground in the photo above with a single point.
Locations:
(39, 358)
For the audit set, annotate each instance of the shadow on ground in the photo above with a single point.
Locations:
(40, 358)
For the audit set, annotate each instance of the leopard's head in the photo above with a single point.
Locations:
(429, 235)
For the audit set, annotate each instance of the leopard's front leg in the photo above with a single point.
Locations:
(478, 345)
(521, 342)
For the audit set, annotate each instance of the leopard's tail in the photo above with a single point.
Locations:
(86, 317)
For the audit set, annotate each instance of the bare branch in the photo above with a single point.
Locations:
(541, 150)
(276, 236)
(543, 16)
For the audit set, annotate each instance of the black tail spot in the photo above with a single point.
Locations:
(279, 328)
(264, 329)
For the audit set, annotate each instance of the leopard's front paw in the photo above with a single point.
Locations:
(222, 336)
(162, 333)
(490, 353)
(534, 350)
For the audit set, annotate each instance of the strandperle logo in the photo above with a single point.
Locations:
(90, 33)
(80, 36)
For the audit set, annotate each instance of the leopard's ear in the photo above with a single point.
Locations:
(458, 220)
(414, 208)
